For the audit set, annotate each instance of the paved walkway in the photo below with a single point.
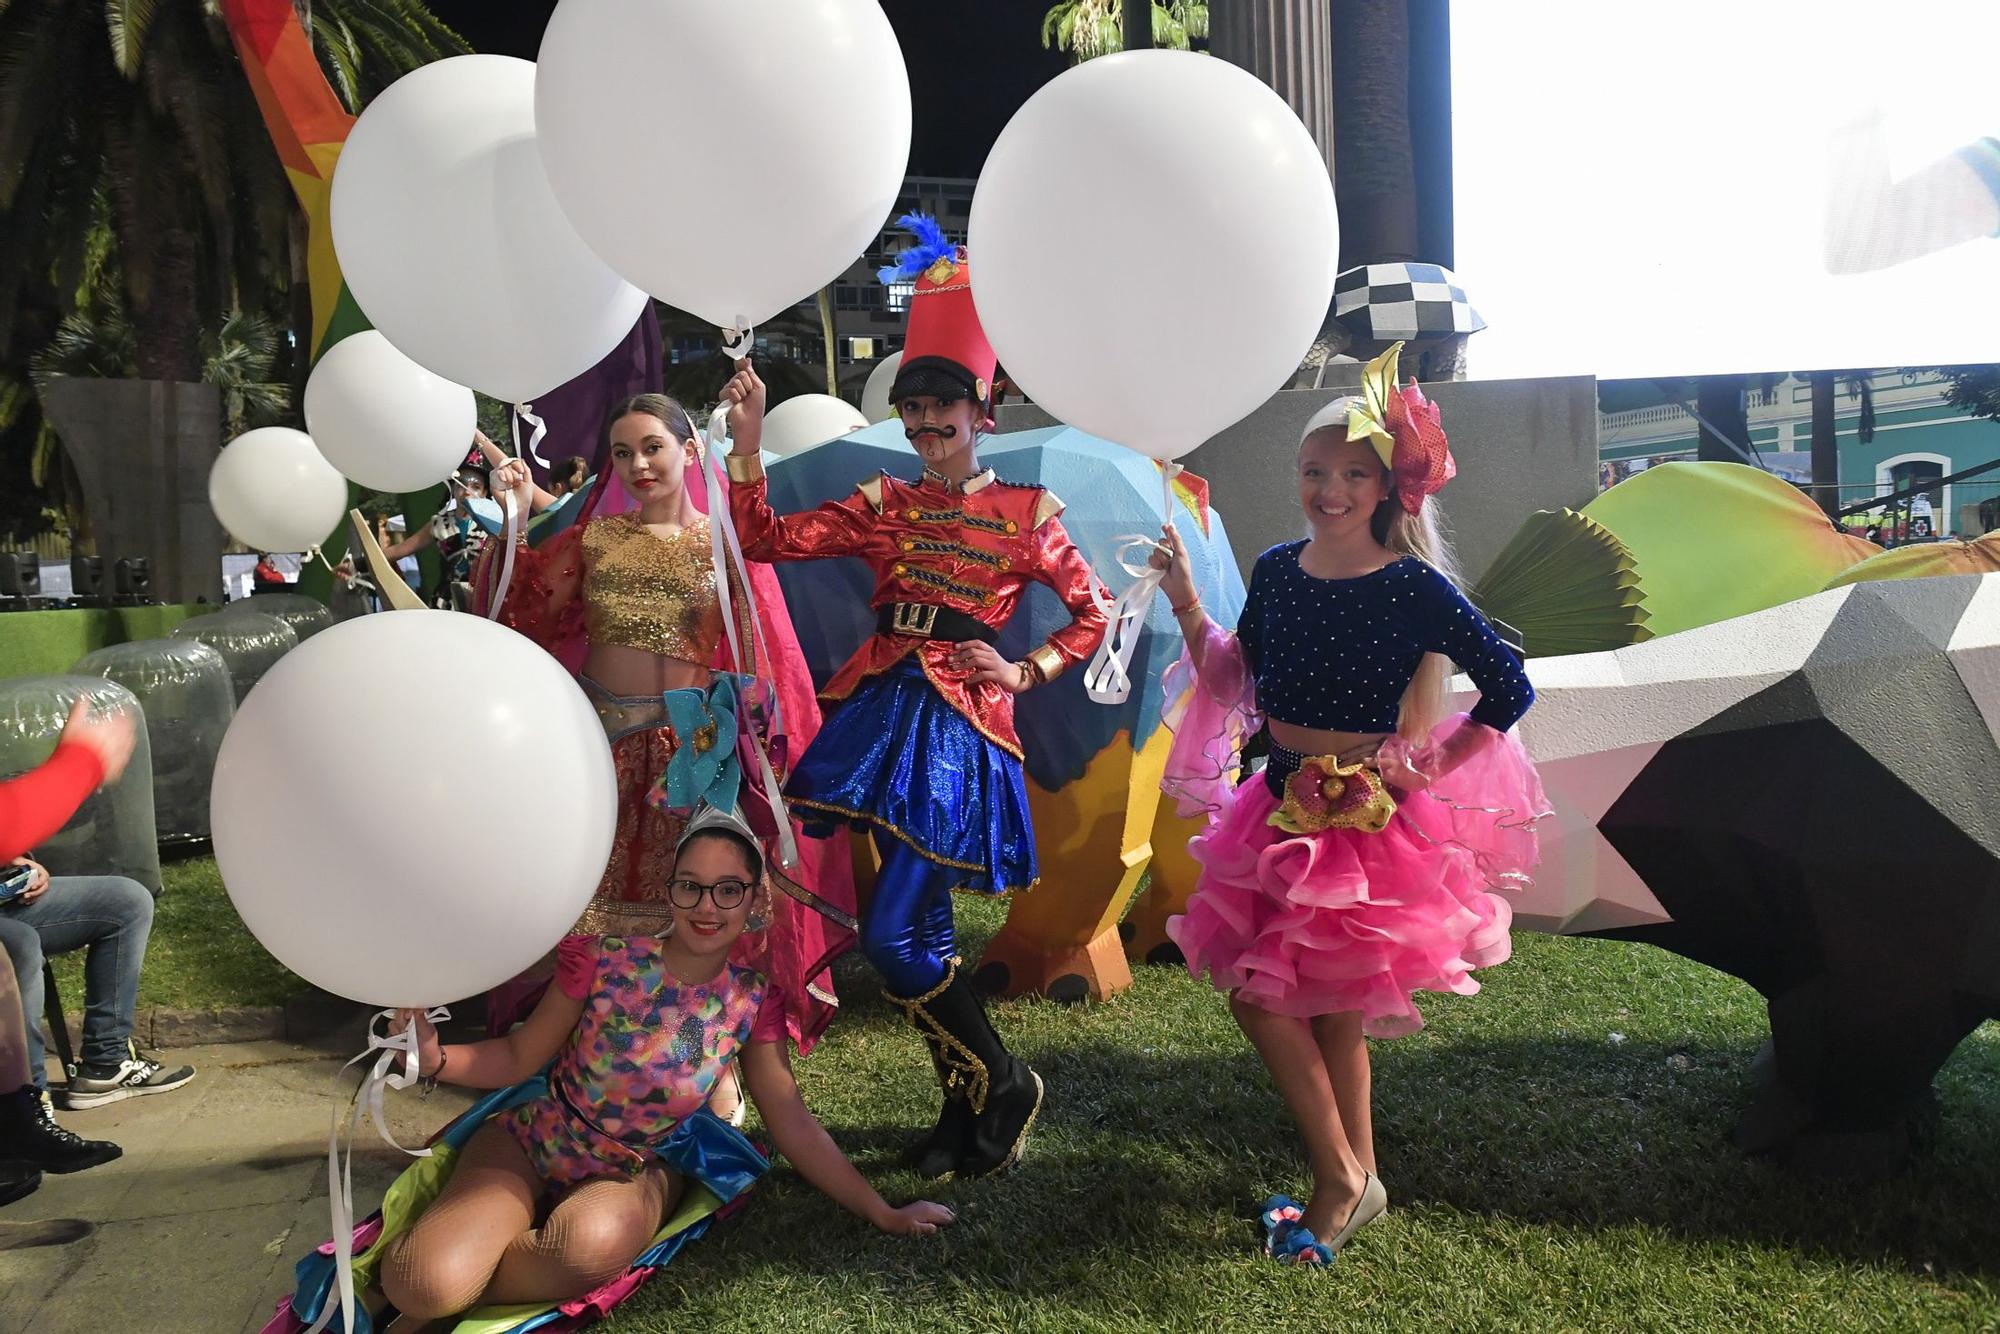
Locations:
(221, 1190)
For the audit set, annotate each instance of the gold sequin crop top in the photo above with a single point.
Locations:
(649, 592)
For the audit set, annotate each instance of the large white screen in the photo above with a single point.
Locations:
(1652, 189)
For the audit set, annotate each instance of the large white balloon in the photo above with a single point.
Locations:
(384, 421)
(875, 404)
(1211, 252)
(452, 243)
(763, 152)
(272, 490)
(805, 420)
(413, 885)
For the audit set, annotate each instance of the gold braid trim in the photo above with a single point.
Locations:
(1005, 527)
(918, 574)
(744, 469)
(878, 822)
(938, 547)
(962, 1073)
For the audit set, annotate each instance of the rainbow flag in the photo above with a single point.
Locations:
(309, 126)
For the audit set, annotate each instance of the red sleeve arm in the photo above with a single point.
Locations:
(769, 1026)
(837, 528)
(576, 965)
(40, 802)
(544, 600)
(1062, 567)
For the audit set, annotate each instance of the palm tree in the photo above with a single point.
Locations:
(141, 104)
(1087, 28)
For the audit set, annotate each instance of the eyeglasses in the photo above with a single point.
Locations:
(725, 894)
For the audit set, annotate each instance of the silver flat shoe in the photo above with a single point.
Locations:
(1374, 1202)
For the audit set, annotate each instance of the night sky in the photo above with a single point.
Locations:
(971, 65)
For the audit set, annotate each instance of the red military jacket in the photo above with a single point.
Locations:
(972, 548)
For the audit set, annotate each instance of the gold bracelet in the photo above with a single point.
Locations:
(744, 469)
(1182, 611)
(1048, 664)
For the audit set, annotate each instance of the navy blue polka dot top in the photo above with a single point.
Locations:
(1338, 654)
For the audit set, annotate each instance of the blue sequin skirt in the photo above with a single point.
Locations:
(895, 757)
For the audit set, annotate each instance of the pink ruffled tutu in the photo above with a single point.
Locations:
(1306, 925)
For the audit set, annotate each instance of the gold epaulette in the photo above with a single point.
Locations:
(1047, 507)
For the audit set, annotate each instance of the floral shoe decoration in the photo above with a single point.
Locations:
(1326, 794)
(1278, 1211)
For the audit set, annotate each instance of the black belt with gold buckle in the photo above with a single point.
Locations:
(927, 620)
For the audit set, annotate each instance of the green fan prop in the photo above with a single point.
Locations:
(1568, 585)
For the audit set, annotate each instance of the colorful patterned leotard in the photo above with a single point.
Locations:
(646, 1053)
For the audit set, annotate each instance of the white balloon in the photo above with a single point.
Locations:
(272, 490)
(1213, 247)
(875, 404)
(418, 885)
(765, 156)
(384, 421)
(452, 243)
(805, 420)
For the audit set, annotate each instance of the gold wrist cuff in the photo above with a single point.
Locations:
(1048, 663)
(744, 468)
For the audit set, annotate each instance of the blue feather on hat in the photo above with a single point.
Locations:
(932, 245)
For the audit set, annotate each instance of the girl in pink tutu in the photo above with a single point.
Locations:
(1363, 864)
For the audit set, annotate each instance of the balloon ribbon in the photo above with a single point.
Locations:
(1108, 679)
(395, 1067)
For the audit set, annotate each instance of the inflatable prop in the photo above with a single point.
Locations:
(113, 832)
(307, 616)
(1923, 559)
(250, 642)
(184, 688)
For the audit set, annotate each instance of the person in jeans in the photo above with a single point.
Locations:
(31, 807)
(109, 916)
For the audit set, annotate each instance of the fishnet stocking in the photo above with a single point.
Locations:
(477, 1244)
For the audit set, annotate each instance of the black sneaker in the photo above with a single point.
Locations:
(134, 1077)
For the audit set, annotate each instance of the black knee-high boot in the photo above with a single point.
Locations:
(990, 1097)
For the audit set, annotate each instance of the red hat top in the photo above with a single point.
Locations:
(945, 352)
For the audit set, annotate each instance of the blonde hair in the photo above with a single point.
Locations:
(1421, 535)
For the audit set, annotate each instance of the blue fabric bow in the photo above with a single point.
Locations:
(704, 766)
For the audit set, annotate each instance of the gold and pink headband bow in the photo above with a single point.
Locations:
(1405, 429)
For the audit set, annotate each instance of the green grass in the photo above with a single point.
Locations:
(200, 955)
(1557, 1150)
(1545, 1175)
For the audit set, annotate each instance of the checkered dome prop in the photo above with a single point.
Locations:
(1380, 302)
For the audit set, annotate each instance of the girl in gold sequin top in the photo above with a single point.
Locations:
(638, 589)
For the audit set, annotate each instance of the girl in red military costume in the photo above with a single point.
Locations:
(920, 747)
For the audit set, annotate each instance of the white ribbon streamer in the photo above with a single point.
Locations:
(739, 339)
(395, 1067)
(725, 548)
(526, 412)
(513, 528)
(1108, 679)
